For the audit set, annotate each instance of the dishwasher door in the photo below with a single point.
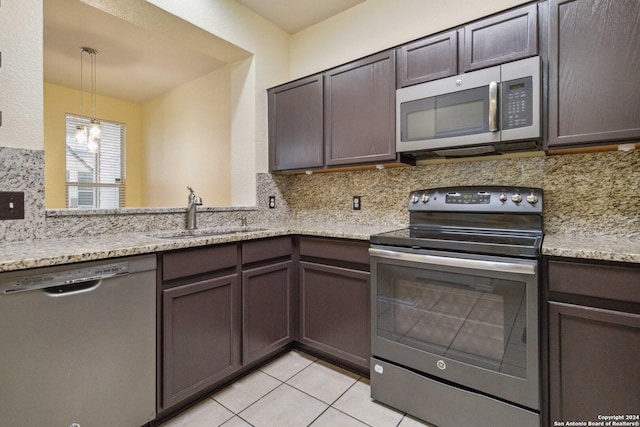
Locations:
(82, 353)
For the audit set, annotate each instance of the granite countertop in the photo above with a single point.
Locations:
(47, 252)
(606, 248)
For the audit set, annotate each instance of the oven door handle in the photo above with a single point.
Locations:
(505, 267)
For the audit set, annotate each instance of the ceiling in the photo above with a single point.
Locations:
(295, 15)
(135, 63)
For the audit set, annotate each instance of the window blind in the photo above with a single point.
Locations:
(95, 180)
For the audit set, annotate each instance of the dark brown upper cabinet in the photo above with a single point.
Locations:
(502, 38)
(359, 111)
(427, 59)
(594, 61)
(295, 125)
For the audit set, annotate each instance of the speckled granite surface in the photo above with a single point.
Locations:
(23, 170)
(585, 194)
(592, 208)
(604, 248)
(46, 252)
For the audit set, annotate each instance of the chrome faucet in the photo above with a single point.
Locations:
(191, 209)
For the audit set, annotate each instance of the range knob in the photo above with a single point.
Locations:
(503, 197)
(516, 198)
(532, 198)
(425, 198)
(415, 199)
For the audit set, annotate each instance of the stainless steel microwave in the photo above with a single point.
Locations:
(492, 110)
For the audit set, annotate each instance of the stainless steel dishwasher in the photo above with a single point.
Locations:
(78, 344)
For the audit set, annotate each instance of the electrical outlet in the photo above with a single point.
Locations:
(11, 205)
(272, 202)
(356, 203)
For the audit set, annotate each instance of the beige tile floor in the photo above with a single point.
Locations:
(294, 390)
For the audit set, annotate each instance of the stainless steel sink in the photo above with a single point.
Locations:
(191, 234)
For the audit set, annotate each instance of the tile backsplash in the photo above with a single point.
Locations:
(585, 194)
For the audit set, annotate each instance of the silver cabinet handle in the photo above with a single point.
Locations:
(505, 267)
(493, 107)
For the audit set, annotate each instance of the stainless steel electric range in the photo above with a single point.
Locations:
(455, 307)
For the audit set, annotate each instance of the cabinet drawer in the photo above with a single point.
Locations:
(261, 250)
(595, 280)
(340, 250)
(197, 261)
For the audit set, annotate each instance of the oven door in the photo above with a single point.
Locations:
(470, 320)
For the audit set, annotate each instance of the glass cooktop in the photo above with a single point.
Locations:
(513, 243)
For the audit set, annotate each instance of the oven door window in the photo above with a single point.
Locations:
(473, 319)
(455, 114)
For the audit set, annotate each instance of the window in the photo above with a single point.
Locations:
(95, 180)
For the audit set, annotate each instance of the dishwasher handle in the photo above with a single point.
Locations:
(65, 282)
(78, 287)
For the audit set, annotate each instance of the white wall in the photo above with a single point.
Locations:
(269, 66)
(21, 93)
(186, 134)
(375, 25)
(277, 57)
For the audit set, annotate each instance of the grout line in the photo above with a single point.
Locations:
(252, 403)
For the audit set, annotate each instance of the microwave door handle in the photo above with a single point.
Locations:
(493, 107)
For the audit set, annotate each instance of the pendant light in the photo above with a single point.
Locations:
(89, 134)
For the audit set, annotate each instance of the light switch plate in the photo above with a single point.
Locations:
(11, 205)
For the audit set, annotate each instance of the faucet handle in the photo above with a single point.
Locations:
(190, 189)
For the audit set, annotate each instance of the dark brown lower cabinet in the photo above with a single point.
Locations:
(267, 297)
(199, 322)
(200, 336)
(267, 311)
(334, 299)
(595, 363)
(224, 309)
(594, 340)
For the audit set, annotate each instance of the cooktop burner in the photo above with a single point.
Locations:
(489, 220)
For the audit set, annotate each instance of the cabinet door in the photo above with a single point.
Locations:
(594, 356)
(359, 105)
(267, 304)
(335, 313)
(593, 71)
(502, 38)
(200, 336)
(427, 59)
(295, 125)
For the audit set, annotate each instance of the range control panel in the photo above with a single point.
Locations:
(490, 199)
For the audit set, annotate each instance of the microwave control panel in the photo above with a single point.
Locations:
(517, 103)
